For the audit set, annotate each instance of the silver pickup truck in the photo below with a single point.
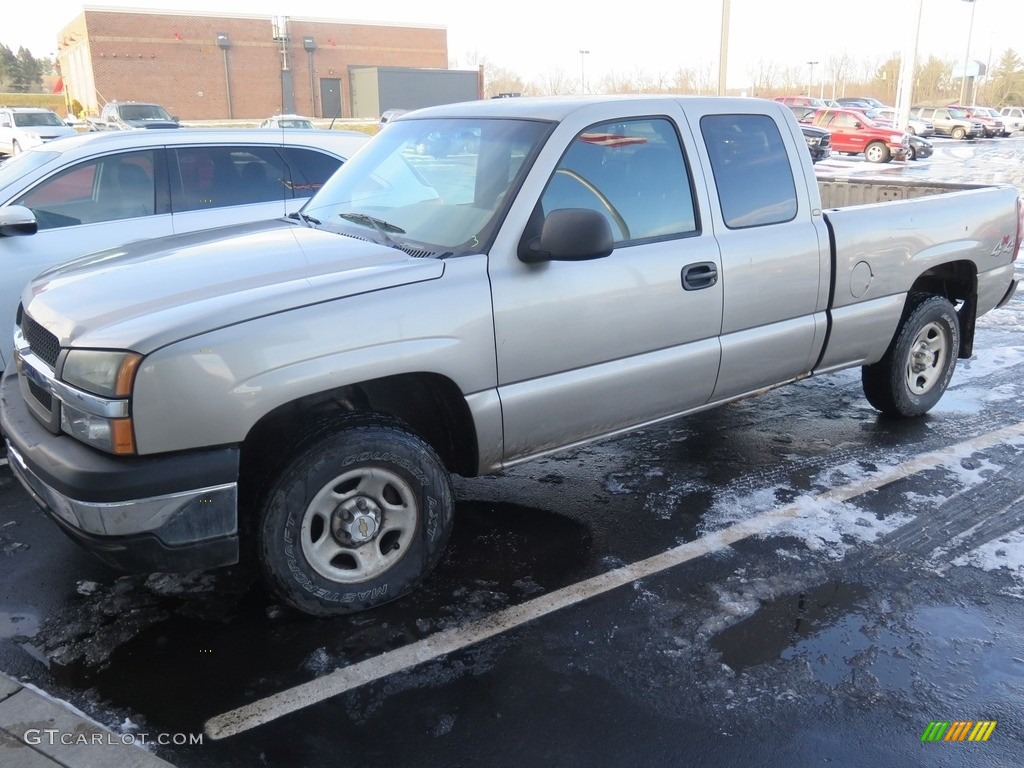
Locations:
(483, 284)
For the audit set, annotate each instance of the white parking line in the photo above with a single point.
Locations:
(448, 641)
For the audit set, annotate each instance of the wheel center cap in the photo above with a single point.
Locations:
(356, 521)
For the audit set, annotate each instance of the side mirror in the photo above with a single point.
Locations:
(858, 124)
(17, 220)
(570, 234)
(174, 118)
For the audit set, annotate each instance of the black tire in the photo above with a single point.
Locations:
(915, 371)
(958, 133)
(356, 519)
(911, 153)
(877, 152)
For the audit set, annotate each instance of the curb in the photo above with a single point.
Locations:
(37, 731)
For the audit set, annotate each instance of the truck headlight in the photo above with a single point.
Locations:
(111, 435)
(94, 407)
(103, 372)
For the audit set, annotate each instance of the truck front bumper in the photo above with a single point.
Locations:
(175, 512)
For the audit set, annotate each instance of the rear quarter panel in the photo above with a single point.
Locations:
(881, 250)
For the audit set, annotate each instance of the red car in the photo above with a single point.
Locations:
(854, 132)
(991, 124)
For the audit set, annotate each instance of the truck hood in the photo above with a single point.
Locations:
(152, 293)
(150, 124)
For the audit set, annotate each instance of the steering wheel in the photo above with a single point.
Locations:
(605, 202)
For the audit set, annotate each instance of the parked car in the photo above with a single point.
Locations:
(289, 121)
(991, 125)
(133, 116)
(390, 114)
(22, 128)
(819, 142)
(98, 190)
(950, 122)
(800, 101)
(853, 133)
(1013, 118)
(849, 101)
(304, 389)
(915, 125)
(919, 148)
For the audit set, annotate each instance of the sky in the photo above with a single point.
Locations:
(535, 39)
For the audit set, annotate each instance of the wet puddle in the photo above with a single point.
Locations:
(778, 626)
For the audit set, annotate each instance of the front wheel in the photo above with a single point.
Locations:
(356, 519)
(877, 152)
(958, 133)
(916, 369)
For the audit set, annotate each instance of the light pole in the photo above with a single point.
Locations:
(583, 71)
(810, 78)
(723, 49)
(967, 53)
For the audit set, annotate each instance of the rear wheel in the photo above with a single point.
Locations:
(958, 133)
(915, 371)
(877, 152)
(356, 519)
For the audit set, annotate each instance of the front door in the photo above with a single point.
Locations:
(592, 347)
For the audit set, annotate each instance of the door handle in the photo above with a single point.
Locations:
(704, 274)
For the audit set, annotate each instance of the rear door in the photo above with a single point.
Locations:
(774, 248)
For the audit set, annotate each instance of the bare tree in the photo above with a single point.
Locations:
(839, 69)
(556, 83)
(684, 81)
(764, 77)
(705, 77)
(616, 83)
(500, 80)
(886, 78)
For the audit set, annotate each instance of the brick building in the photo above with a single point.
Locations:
(209, 66)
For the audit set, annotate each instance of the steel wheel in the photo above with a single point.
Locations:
(359, 525)
(357, 515)
(915, 371)
(927, 361)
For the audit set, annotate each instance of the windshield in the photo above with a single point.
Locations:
(958, 113)
(143, 112)
(13, 168)
(432, 186)
(303, 124)
(26, 119)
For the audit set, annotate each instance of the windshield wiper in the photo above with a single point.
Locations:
(305, 218)
(380, 225)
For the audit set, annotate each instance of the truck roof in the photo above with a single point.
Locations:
(557, 108)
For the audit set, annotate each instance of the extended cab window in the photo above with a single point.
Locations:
(751, 168)
(631, 172)
(104, 189)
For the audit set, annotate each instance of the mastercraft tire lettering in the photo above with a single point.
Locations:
(345, 527)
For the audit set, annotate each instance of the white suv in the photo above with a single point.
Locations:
(22, 128)
(1013, 118)
(102, 190)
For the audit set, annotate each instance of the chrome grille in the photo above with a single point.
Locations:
(43, 344)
